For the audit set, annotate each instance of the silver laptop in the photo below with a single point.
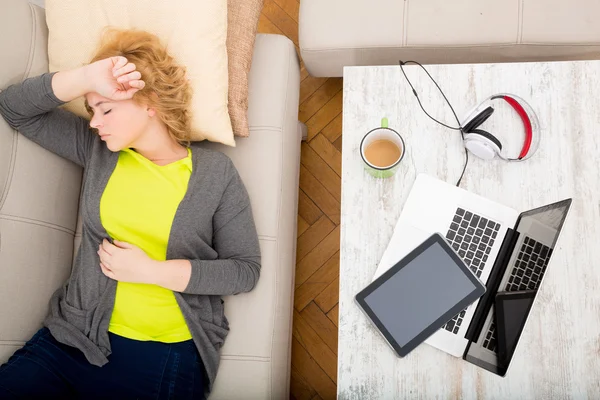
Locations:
(507, 250)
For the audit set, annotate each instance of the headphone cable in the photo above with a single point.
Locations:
(460, 128)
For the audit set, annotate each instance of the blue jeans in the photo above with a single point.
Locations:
(47, 369)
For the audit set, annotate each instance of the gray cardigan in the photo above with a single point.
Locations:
(213, 228)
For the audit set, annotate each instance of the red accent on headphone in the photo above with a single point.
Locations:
(525, 118)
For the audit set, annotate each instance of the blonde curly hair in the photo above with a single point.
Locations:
(167, 88)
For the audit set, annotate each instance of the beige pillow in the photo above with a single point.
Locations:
(194, 31)
(242, 23)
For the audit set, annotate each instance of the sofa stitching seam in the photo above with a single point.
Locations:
(266, 128)
(405, 27)
(36, 222)
(267, 238)
(520, 26)
(451, 47)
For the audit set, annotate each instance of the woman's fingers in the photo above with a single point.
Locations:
(129, 67)
(118, 62)
(132, 76)
(138, 84)
(108, 246)
(107, 271)
(104, 256)
(125, 94)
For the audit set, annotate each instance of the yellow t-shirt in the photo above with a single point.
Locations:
(138, 206)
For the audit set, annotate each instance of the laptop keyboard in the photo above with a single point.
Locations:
(526, 275)
(530, 266)
(472, 236)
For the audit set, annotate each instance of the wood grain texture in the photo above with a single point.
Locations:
(315, 346)
(291, 8)
(317, 282)
(319, 98)
(302, 226)
(558, 354)
(309, 86)
(338, 144)
(333, 130)
(320, 168)
(319, 194)
(322, 325)
(307, 209)
(313, 236)
(266, 26)
(282, 20)
(333, 314)
(325, 115)
(318, 256)
(312, 373)
(300, 389)
(328, 298)
(328, 152)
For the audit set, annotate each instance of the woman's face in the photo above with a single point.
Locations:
(119, 123)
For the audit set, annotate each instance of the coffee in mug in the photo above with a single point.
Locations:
(382, 153)
(382, 149)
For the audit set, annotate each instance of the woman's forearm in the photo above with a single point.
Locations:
(71, 84)
(31, 108)
(173, 274)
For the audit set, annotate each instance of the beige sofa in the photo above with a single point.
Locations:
(39, 228)
(338, 33)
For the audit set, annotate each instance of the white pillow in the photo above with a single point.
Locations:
(195, 33)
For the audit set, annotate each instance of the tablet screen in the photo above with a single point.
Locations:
(512, 309)
(515, 314)
(418, 294)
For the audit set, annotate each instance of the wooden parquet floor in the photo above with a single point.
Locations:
(315, 332)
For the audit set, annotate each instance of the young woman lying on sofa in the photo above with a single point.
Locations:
(167, 231)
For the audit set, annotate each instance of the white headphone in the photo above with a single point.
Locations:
(487, 146)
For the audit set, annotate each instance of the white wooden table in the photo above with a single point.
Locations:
(559, 356)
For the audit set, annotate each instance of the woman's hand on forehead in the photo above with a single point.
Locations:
(114, 78)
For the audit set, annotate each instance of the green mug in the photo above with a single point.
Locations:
(383, 133)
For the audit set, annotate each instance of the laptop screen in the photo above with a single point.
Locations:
(552, 216)
(537, 232)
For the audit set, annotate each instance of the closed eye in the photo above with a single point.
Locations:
(107, 112)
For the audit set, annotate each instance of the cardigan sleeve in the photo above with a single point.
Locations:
(31, 108)
(235, 239)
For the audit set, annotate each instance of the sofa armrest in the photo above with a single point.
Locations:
(280, 84)
(257, 352)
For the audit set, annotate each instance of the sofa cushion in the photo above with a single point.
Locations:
(382, 32)
(460, 23)
(194, 31)
(242, 23)
(561, 22)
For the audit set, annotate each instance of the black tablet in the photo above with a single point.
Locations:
(418, 295)
(512, 309)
